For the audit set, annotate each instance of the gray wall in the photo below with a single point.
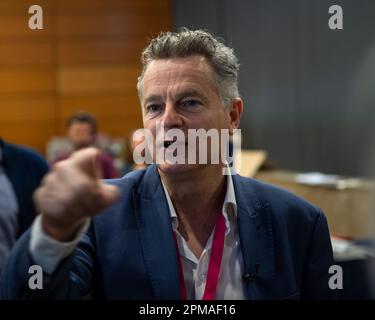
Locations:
(309, 92)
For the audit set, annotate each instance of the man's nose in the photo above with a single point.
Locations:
(171, 118)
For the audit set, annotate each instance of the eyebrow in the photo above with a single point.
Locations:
(179, 96)
(153, 97)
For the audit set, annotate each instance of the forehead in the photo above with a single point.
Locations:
(79, 125)
(178, 73)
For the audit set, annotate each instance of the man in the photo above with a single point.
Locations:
(21, 171)
(174, 230)
(82, 132)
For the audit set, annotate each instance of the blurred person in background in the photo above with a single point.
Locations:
(21, 171)
(82, 132)
(130, 144)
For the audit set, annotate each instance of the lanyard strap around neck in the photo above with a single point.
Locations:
(214, 263)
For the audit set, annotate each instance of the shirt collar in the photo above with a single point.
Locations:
(230, 199)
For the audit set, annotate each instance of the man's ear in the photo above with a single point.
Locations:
(235, 112)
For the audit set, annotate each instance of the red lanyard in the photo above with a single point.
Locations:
(214, 263)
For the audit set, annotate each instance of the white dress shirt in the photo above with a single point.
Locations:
(230, 285)
(48, 252)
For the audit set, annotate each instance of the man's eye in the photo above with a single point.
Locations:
(190, 103)
(153, 108)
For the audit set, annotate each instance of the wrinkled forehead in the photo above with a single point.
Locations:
(177, 73)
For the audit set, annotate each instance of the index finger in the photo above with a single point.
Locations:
(87, 161)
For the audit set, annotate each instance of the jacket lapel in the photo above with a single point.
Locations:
(256, 238)
(159, 249)
(156, 234)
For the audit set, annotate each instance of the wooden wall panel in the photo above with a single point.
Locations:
(85, 58)
(30, 121)
(119, 105)
(30, 80)
(16, 109)
(117, 115)
(121, 50)
(34, 134)
(21, 6)
(64, 6)
(97, 79)
(110, 24)
(15, 25)
(26, 53)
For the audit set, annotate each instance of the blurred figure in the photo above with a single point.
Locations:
(132, 142)
(21, 171)
(82, 131)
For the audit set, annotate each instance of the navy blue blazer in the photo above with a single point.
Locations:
(25, 170)
(129, 252)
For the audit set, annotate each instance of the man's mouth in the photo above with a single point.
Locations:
(168, 143)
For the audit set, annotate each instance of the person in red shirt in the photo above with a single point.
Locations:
(82, 131)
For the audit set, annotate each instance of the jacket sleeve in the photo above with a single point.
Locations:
(315, 283)
(72, 278)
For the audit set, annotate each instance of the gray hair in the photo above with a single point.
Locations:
(187, 43)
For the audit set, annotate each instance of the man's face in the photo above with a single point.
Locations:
(81, 135)
(182, 94)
